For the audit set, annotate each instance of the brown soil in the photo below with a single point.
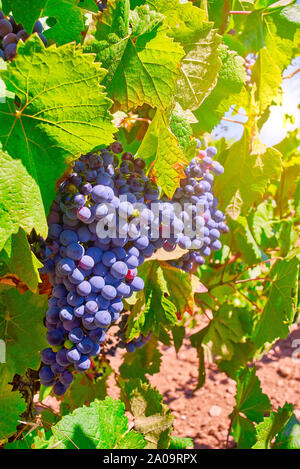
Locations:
(203, 415)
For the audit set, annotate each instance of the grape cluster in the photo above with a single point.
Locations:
(92, 269)
(196, 188)
(11, 33)
(91, 274)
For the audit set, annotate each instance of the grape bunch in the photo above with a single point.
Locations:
(11, 33)
(106, 219)
(197, 188)
(91, 274)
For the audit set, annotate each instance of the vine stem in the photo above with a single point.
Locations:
(291, 75)
(240, 12)
(230, 426)
(232, 120)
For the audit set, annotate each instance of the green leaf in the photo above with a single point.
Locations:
(288, 182)
(22, 329)
(178, 442)
(251, 405)
(224, 331)
(21, 204)
(35, 439)
(68, 17)
(160, 149)
(142, 361)
(199, 70)
(102, 425)
(181, 129)
(221, 339)
(25, 11)
(63, 112)
(196, 341)
(232, 76)
(89, 5)
(289, 436)
(21, 261)
(142, 61)
(261, 222)
(184, 22)
(160, 300)
(69, 21)
(178, 333)
(271, 426)
(280, 308)
(152, 417)
(11, 407)
(86, 389)
(243, 241)
(275, 56)
(245, 178)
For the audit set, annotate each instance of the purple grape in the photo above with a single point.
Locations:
(102, 318)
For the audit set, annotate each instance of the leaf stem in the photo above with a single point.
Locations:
(240, 12)
(291, 74)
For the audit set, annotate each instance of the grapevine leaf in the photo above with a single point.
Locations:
(221, 339)
(142, 361)
(251, 405)
(178, 333)
(288, 182)
(243, 241)
(21, 328)
(21, 261)
(161, 299)
(261, 225)
(142, 61)
(289, 436)
(36, 439)
(89, 5)
(21, 203)
(181, 129)
(224, 331)
(184, 23)
(62, 113)
(199, 71)
(151, 416)
(275, 56)
(25, 11)
(11, 407)
(85, 389)
(160, 149)
(69, 21)
(102, 425)
(178, 442)
(196, 341)
(245, 178)
(271, 426)
(232, 76)
(280, 308)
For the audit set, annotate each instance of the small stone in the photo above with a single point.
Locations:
(215, 411)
